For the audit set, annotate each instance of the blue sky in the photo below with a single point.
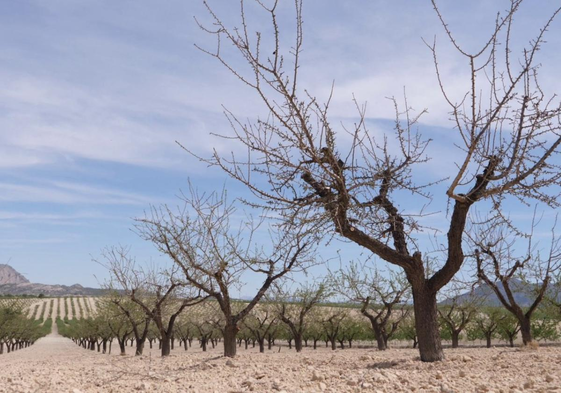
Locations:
(94, 94)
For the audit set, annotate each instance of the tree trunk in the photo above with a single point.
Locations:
(298, 342)
(230, 332)
(455, 339)
(488, 337)
(122, 346)
(166, 345)
(333, 344)
(261, 345)
(382, 346)
(139, 347)
(526, 330)
(185, 346)
(426, 324)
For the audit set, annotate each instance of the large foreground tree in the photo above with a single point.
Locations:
(364, 187)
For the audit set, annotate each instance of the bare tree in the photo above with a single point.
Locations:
(486, 323)
(138, 319)
(298, 168)
(294, 306)
(458, 312)
(506, 269)
(158, 293)
(118, 323)
(201, 240)
(509, 327)
(259, 323)
(333, 323)
(380, 296)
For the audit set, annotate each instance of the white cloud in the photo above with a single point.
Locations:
(69, 193)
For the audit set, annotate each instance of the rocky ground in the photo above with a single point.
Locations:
(55, 364)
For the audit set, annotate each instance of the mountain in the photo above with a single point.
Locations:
(524, 294)
(14, 283)
(9, 275)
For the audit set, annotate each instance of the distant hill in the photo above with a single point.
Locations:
(523, 293)
(14, 283)
(9, 275)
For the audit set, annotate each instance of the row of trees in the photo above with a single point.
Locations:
(17, 331)
(302, 322)
(209, 260)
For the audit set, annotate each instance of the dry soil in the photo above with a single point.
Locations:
(56, 364)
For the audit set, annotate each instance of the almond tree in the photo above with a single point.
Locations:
(259, 323)
(455, 318)
(356, 186)
(213, 256)
(293, 307)
(158, 293)
(503, 267)
(139, 320)
(333, 323)
(486, 324)
(509, 328)
(379, 296)
(545, 325)
(118, 325)
(407, 331)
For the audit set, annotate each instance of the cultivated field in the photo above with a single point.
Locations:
(57, 364)
(71, 307)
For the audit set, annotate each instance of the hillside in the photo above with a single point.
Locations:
(524, 294)
(14, 283)
(9, 275)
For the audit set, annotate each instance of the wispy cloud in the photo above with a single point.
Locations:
(69, 193)
(46, 217)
